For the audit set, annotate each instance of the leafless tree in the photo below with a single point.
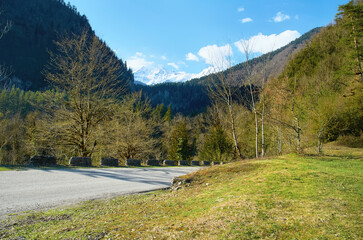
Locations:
(91, 76)
(5, 27)
(5, 72)
(247, 48)
(221, 91)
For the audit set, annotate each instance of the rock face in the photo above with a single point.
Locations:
(195, 163)
(152, 163)
(169, 163)
(206, 163)
(183, 163)
(111, 162)
(43, 161)
(80, 161)
(133, 162)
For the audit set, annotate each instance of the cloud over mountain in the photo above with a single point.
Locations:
(218, 57)
(191, 57)
(266, 43)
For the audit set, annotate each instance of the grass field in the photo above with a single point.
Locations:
(288, 197)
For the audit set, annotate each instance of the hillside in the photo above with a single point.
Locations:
(36, 24)
(273, 63)
(288, 197)
(191, 97)
(318, 97)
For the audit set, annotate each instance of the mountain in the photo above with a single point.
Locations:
(273, 63)
(36, 24)
(191, 97)
(152, 76)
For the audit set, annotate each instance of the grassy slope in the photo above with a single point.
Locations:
(289, 197)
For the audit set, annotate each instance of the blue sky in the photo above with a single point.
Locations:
(189, 36)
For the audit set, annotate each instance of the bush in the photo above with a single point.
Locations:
(351, 141)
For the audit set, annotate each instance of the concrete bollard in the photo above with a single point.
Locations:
(206, 163)
(80, 161)
(196, 163)
(110, 162)
(133, 162)
(43, 161)
(183, 163)
(152, 163)
(169, 163)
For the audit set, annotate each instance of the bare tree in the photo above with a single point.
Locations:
(130, 132)
(247, 48)
(5, 27)
(91, 76)
(5, 72)
(221, 91)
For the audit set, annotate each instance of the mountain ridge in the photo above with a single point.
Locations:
(36, 25)
(190, 97)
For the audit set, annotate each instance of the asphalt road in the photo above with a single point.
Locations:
(36, 189)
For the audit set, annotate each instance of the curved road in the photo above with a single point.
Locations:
(43, 188)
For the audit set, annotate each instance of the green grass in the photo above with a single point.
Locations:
(288, 197)
(12, 167)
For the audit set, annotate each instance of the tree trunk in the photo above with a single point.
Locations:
(263, 128)
(279, 141)
(320, 142)
(298, 135)
(356, 46)
(256, 123)
(236, 148)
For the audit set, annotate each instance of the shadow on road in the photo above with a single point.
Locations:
(153, 176)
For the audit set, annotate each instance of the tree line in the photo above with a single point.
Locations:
(94, 111)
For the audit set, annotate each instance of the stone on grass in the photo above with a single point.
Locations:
(80, 161)
(177, 183)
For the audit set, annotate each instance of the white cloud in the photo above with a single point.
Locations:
(138, 61)
(241, 9)
(246, 20)
(164, 58)
(218, 57)
(280, 17)
(173, 65)
(191, 57)
(266, 43)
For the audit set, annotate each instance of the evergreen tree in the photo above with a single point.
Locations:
(180, 147)
(217, 147)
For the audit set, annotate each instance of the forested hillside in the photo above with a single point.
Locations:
(317, 98)
(319, 95)
(35, 25)
(191, 97)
